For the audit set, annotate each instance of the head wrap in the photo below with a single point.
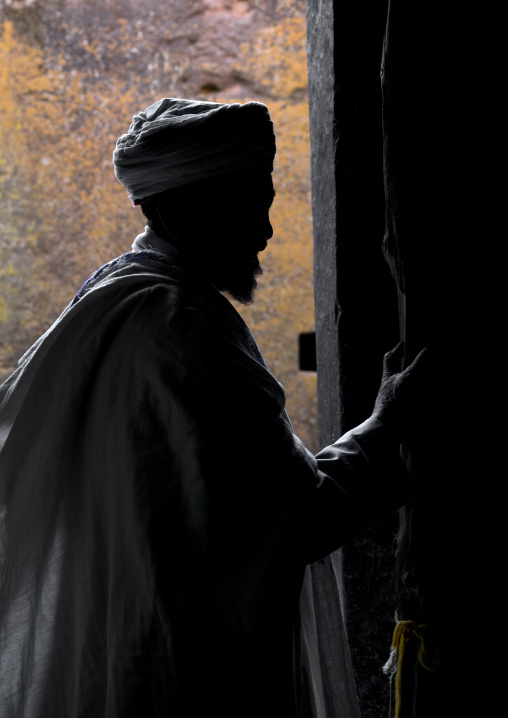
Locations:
(176, 142)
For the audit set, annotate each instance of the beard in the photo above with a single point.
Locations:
(237, 276)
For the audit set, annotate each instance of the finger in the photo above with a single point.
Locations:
(428, 359)
(392, 360)
(420, 359)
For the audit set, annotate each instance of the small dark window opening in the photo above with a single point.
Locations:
(307, 351)
(209, 88)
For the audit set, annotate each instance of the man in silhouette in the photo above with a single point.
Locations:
(158, 511)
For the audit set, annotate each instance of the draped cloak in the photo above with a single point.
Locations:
(157, 511)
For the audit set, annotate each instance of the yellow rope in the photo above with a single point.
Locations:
(428, 656)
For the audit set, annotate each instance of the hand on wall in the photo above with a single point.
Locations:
(407, 399)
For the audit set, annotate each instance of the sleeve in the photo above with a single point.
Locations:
(246, 482)
(359, 479)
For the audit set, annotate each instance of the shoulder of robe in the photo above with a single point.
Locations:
(155, 288)
(157, 301)
(151, 322)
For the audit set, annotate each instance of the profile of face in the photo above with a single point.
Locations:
(222, 224)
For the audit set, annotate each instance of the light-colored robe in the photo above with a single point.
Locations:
(157, 510)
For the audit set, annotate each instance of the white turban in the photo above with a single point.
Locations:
(175, 142)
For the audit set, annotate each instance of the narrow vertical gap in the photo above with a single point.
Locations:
(307, 351)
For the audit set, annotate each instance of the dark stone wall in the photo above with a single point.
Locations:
(352, 284)
(444, 113)
(434, 132)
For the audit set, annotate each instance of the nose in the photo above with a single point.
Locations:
(269, 233)
(267, 230)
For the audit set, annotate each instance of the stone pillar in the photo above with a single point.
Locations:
(356, 305)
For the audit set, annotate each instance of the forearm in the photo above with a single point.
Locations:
(360, 479)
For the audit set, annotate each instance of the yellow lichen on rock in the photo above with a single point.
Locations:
(276, 59)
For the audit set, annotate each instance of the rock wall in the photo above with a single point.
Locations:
(72, 75)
